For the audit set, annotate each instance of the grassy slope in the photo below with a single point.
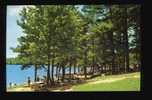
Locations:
(128, 84)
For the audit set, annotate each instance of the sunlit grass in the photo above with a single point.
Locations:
(127, 84)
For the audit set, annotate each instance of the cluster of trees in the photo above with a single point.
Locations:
(104, 38)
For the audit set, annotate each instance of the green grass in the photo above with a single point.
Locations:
(128, 84)
(115, 76)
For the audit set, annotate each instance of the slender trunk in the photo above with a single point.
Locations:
(123, 63)
(63, 72)
(70, 70)
(93, 59)
(74, 68)
(140, 40)
(93, 67)
(123, 67)
(48, 71)
(113, 55)
(140, 59)
(104, 68)
(112, 44)
(35, 73)
(78, 69)
(100, 68)
(119, 63)
(52, 74)
(59, 72)
(126, 40)
(85, 64)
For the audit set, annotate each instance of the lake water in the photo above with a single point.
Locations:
(14, 74)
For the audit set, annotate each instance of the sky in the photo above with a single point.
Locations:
(13, 31)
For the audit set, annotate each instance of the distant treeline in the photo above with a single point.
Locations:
(14, 61)
(19, 61)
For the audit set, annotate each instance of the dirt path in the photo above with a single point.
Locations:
(20, 89)
(109, 80)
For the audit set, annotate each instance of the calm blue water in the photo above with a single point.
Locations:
(14, 74)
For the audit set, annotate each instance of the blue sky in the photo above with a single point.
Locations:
(13, 31)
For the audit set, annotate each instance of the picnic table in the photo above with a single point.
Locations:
(38, 86)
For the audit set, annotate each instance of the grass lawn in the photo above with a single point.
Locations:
(129, 83)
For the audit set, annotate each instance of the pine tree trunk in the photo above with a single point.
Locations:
(63, 72)
(113, 54)
(57, 67)
(35, 73)
(93, 67)
(126, 40)
(93, 59)
(48, 72)
(112, 43)
(78, 69)
(74, 68)
(85, 64)
(52, 74)
(70, 70)
(59, 72)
